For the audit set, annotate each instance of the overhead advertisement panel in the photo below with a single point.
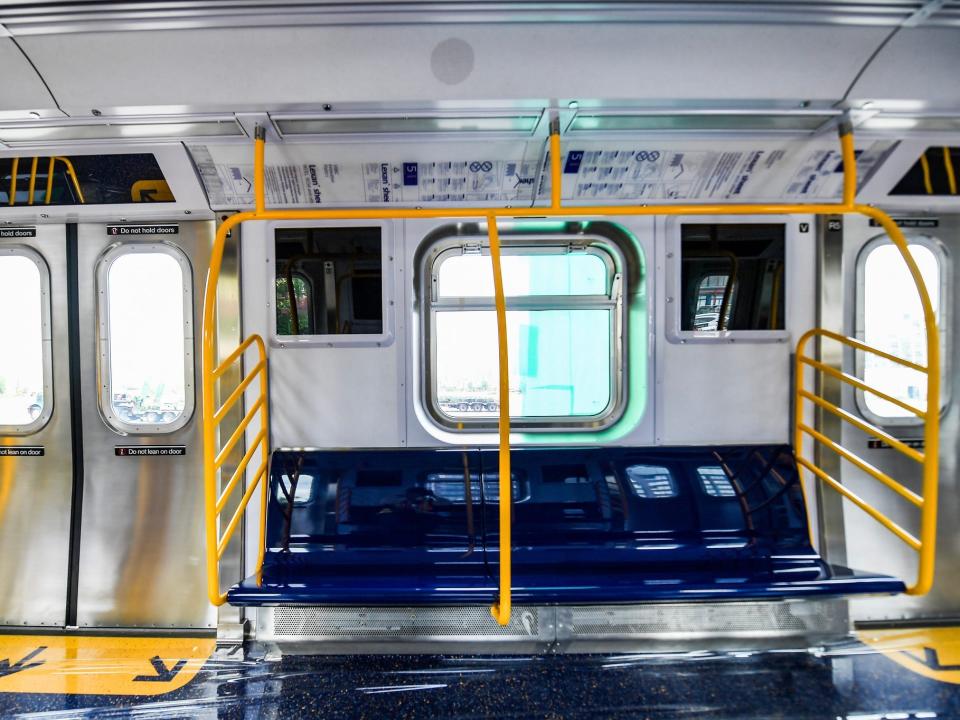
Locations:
(506, 173)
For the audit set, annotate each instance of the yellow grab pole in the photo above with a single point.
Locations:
(951, 175)
(50, 169)
(259, 141)
(556, 175)
(849, 164)
(925, 166)
(33, 180)
(13, 181)
(501, 607)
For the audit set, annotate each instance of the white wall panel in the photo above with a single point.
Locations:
(21, 89)
(917, 64)
(267, 67)
(321, 396)
(722, 392)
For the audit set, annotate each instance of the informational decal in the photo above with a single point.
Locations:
(660, 173)
(17, 232)
(503, 173)
(150, 451)
(508, 172)
(23, 451)
(170, 229)
(878, 444)
(918, 223)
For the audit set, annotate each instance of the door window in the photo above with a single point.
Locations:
(146, 338)
(26, 397)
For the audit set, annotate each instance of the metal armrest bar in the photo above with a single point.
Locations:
(843, 452)
(238, 392)
(856, 344)
(238, 473)
(241, 507)
(238, 433)
(862, 504)
(856, 382)
(868, 428)
(242, 348)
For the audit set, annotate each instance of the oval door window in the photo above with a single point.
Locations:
(26, 400)
(146, 341)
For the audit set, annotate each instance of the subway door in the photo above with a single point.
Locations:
(36, 464)
(141, 560)
(882, 309)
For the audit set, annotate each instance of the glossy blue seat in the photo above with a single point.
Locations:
(605, 525)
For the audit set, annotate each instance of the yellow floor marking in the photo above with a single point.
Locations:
(78, 665)
(932, 652)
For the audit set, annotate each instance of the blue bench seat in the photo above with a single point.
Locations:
(590, 525)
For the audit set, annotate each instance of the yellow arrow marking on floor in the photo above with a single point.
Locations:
(79, 665)
(932, 652)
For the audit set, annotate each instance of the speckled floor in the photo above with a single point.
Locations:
(845, 679)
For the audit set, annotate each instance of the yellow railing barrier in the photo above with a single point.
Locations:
(501, 608)
(214, 458)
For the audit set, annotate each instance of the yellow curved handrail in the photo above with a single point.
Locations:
(501, 609)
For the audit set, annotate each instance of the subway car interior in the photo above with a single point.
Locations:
(479, 359)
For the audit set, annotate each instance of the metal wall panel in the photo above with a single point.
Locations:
(35, 492)
(142, 545)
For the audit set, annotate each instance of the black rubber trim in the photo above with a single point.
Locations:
(76, 421)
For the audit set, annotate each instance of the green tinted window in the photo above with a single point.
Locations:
(562, 336)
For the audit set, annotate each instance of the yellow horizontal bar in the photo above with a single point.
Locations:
(856, 382)
(238, 392)
(238, 433)
(241, 507)
(843, 452)
(862, 504)
(852, 342)
(232, 358)
(868, 428)
(238, 473)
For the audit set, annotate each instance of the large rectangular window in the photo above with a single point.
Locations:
(146, 338)
(26, 401)
(564, 327)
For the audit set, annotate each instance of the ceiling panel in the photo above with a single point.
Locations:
(246, 69)
(21, 89)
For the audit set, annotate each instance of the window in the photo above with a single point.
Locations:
(651, 481)
(936, 172)
(564, 335)
(146, 338)
(83, 180)
(26, 397)
(714, 482)
(889, 318)
(732, 277)
(329, 281)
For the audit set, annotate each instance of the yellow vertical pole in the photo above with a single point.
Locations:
(556, 176)
(50, 168)
(33, 180)
(259, 141)
(501, 608)
(925, 166)
(13, 181)
(951, 175)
